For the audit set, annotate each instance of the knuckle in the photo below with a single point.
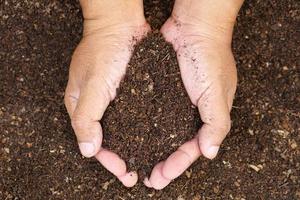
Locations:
(79, 122)
(224, 126)
(68, 94)
(66, 99)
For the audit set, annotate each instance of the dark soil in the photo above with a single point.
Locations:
(152, 114)
(39, 157)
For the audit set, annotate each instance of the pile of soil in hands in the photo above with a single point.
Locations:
(39, 155)
(152, 114)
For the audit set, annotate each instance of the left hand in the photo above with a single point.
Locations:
(209, 75)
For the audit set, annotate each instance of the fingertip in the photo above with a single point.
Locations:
(87, 149)
(209, 151)
(117, 166)
(157, 179)
(147, 182)
(89, 135)
(209, 141)
(129, 179)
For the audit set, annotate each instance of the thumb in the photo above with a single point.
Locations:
(215, 114)
(92, 103)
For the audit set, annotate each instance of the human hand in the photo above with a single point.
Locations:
(97, 67)
(209, 75)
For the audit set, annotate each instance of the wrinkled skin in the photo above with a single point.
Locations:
(209, 75)
(97, 67)
(201, 35)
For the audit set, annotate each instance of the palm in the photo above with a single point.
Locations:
(97, 67)
(209, 76)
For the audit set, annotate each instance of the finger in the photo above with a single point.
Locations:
(157, 180)
(215, 113)
(230, 98)
(71, 97)
(174, 166)
(113, 163)
(181, 159)
(109, 160)
(91, 105)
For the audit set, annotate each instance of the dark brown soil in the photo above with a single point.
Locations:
(39, 157)
(152, 114)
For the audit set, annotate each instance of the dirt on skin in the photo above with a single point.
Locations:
(39, 157)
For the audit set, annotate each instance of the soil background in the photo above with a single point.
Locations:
(39, 158)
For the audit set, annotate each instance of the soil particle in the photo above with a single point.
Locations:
(152, 114)
(37, 39)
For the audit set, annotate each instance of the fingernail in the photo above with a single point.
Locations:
(212, 152)
(87, 149)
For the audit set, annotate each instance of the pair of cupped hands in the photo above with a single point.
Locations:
(99, 62)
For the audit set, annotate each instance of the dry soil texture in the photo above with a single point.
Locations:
(39, 158)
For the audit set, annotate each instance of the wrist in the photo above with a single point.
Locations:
(214, 17)
(223, 11)
(108, 12)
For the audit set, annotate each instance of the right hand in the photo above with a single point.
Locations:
(97, 67)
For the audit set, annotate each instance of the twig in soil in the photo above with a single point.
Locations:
(157, 116)
(283, 184)
(173, 74)
(169, 116)
(164, 58)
